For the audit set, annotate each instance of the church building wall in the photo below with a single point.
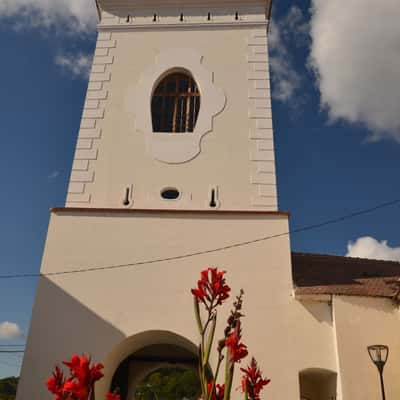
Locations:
(97, 312)
(313, 335)
(111, 313)
(360, 322)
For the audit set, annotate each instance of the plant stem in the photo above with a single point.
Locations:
(197, 315)
(220, 358)
(210, 340)
(203, 384)
(205, 353)
(229, 369)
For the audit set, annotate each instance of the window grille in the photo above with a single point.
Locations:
(175, 104)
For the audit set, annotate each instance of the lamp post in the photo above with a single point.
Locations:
(379, 354)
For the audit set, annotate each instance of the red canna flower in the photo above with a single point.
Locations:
(96, 372)
(55, 384)
(252, 380)
(237, 350)
(113, 396)
(80, 384)
(74, 363)
(219, 391)
(83, 372)
(74, 391)
(211, 289)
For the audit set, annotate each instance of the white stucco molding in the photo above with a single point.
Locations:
(116, 26)
(175, 148)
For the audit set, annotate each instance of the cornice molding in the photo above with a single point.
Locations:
(116, 4)
(183, 26)
(103, 211)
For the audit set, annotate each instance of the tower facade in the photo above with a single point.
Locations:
(173, 171)
(125, 160)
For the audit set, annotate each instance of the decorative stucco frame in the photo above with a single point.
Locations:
(175, 148)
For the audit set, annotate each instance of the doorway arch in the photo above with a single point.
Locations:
(170, 382)
(318, 384)
(133, 359)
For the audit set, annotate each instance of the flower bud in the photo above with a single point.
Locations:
(221, 345)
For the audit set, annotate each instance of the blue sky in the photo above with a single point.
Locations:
(336, 111)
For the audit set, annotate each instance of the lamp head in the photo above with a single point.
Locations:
(379, 354)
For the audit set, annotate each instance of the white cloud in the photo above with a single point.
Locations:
(10, 330)
(288, 30)
(77, 65)
(77, 16)
(53, 175)
(356, 56)
(368, 247)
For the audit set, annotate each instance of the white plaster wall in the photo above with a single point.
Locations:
(96, 312)
(313, 336)
(359, 322)
(237, 154)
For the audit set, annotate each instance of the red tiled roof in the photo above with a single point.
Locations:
(316, 274)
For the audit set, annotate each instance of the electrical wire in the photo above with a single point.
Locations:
(214, 250)
(11, 351)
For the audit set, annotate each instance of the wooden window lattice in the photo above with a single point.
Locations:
(175, 104)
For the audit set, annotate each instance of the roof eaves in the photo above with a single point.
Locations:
(344, 258)
(313, 297)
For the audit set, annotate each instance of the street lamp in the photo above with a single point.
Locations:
(379, 354)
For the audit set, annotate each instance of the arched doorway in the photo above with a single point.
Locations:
(317, 384)
(157, 371)
(154, 365)
(169, 383)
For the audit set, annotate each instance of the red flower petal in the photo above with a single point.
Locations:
(252, 381)
(211, 288)
(237, 350)
(113, 396)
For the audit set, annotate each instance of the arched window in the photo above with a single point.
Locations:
(317, 384)
(175, 104)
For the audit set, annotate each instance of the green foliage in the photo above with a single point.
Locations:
(8, 388)
(169, 384)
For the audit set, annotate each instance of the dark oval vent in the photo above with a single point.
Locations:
(170, 194)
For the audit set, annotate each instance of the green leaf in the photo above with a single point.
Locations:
(197, 315)
(210, 340)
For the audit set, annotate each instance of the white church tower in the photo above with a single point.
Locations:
(174, 166)
(178, 99)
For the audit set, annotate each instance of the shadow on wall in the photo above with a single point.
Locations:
(321, 311)
(61, 326)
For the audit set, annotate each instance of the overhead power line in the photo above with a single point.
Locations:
(12, 351)
(214, 250)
